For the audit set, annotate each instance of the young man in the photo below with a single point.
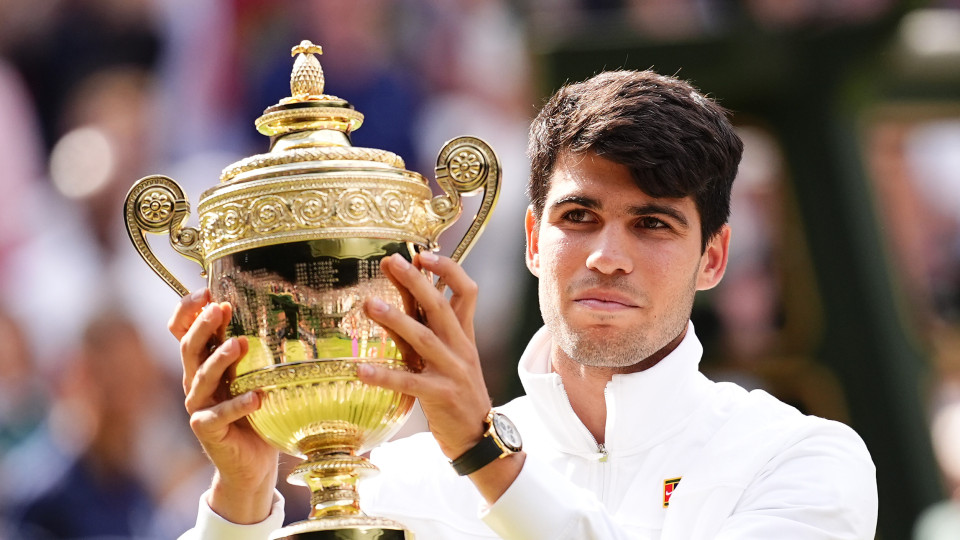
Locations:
(622, 436)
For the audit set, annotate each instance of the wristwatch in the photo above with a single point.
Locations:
(500, 439)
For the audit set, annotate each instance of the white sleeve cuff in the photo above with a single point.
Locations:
(536, 505)
(210, 526)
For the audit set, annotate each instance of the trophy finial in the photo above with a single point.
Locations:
(306, 80)
(306, 47)
(319, 119)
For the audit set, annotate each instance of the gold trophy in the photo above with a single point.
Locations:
(293, 240)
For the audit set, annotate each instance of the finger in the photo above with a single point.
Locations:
(439, 315)
(392, 379)
(414, 334)
(409, 304)
(212, 423)
(408, 354)
(221, 336)
(463, 290)
(201, 391)
(186, 311)
(194, 344)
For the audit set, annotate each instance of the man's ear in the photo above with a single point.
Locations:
(533, 242)
(713, 262)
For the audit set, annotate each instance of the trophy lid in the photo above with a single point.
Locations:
(314, 184)
(310, 126)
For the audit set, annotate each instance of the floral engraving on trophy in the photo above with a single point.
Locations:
(156, 206)
(271, 218)
(395, 209)
(465, 166)
(358, 207)
(312, 208)
(268, 213)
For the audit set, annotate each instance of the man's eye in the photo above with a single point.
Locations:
(577, 216)
(651, 223)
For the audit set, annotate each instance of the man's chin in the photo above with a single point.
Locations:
(603, 346)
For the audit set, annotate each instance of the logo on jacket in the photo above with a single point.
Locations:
(669, 485)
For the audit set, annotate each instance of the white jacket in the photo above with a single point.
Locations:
(750, 467)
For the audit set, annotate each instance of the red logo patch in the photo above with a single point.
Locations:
(669, 485)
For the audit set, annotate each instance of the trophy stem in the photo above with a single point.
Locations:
(331, 474)
(332, 477)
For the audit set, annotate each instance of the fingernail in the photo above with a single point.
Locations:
(429, 256)
(230, 345)
(208, 312)
(364, 370)
(377, 305)
(249, 397)
(198, 295)
(400, 260)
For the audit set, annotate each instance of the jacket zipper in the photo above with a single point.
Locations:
(601, 448)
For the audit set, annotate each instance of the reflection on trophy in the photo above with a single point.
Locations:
(293, 240)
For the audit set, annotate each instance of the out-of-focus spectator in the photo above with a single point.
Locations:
(114, 458)
(110, 388)
(790, 14)
(760, 345)
(21, 158)
(76, 39)
(201, 89)
(23, 392)
(78, 242)
(914, 166)
(931, 150)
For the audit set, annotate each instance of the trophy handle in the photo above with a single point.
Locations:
(466, 165)
(156, 204)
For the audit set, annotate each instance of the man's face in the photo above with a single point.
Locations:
(618, 268)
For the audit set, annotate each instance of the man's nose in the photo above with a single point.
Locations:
(609, 253)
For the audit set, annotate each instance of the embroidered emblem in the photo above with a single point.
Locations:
(669, 485)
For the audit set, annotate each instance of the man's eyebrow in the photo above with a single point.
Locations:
(641, 210)
(586, 202)
(654, 208)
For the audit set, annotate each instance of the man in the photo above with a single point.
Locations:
(622, 436)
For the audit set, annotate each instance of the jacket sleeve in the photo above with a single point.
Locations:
(210, 526)
(818, 485)
(822, 488)
(543, 504)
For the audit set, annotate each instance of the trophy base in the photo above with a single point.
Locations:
(345, 528)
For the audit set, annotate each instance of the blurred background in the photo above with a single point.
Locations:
(843, 291)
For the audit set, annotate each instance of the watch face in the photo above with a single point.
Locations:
(507, 432)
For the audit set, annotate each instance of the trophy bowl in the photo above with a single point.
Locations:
(293, 239)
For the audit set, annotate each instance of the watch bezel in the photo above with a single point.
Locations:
(506, 432)
(501, 438)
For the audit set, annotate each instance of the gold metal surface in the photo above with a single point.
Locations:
(293, 239)
(299, 155)
(363, 528)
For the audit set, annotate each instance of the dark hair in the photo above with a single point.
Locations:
(675, 141)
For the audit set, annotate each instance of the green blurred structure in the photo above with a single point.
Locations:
(810, 88)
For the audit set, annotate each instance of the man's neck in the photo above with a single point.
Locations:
(585, 384)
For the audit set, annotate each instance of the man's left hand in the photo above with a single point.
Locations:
(450, 383)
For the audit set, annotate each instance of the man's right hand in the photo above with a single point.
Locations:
(243, 487)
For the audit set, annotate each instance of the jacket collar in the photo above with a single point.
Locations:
(643, 408)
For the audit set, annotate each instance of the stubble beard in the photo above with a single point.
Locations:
(613, 347)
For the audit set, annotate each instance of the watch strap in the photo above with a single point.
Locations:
(482, 454)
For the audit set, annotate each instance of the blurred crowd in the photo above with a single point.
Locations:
(94, 94)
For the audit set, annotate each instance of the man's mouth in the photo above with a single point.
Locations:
(605, 300)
